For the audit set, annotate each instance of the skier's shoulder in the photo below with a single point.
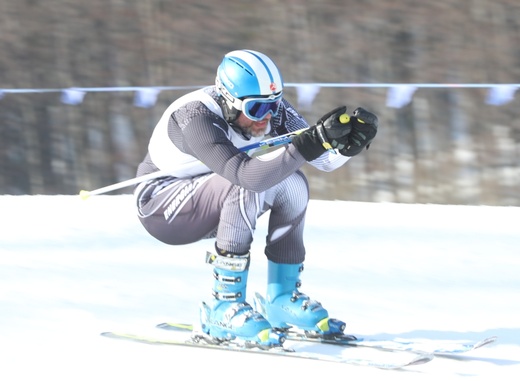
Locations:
(287, 120)
(201, 101)
(198, 109)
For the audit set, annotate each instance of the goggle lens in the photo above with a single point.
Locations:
(257, 108)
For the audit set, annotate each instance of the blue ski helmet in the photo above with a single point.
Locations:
(246, 74)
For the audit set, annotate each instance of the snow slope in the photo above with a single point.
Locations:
(70, 269)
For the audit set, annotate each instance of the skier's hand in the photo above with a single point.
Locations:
(334, 128)
(364, 129)
(331, 131)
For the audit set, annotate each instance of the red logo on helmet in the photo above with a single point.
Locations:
(272, 86)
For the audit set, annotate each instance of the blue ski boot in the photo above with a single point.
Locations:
(286, 307)
(229, 316)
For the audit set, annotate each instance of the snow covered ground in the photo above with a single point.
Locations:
(70, 269)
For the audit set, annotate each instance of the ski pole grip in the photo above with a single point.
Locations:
(344, 118)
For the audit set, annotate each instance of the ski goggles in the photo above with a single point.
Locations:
(257, 108)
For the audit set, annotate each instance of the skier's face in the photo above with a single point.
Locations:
(251, 127)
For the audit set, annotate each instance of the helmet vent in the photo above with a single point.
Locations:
(243, 67)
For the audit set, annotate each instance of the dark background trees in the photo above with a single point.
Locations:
(447, 146)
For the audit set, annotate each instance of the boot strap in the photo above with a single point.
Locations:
(229, 262)
(227, 296)
(227, 279)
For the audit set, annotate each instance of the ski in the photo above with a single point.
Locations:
(200, 341)
(436, 347)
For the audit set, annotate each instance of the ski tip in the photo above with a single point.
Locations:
(84, 194)
(485, 341)
(422, 358)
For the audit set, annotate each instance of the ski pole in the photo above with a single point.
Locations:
(261, 145)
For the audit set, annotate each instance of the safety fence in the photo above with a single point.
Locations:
(438, 143)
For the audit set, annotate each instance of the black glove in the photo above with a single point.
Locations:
(331, 131)
(364, 129)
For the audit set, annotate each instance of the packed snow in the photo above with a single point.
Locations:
(71, 269)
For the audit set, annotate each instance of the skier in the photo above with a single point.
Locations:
(216, 191)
